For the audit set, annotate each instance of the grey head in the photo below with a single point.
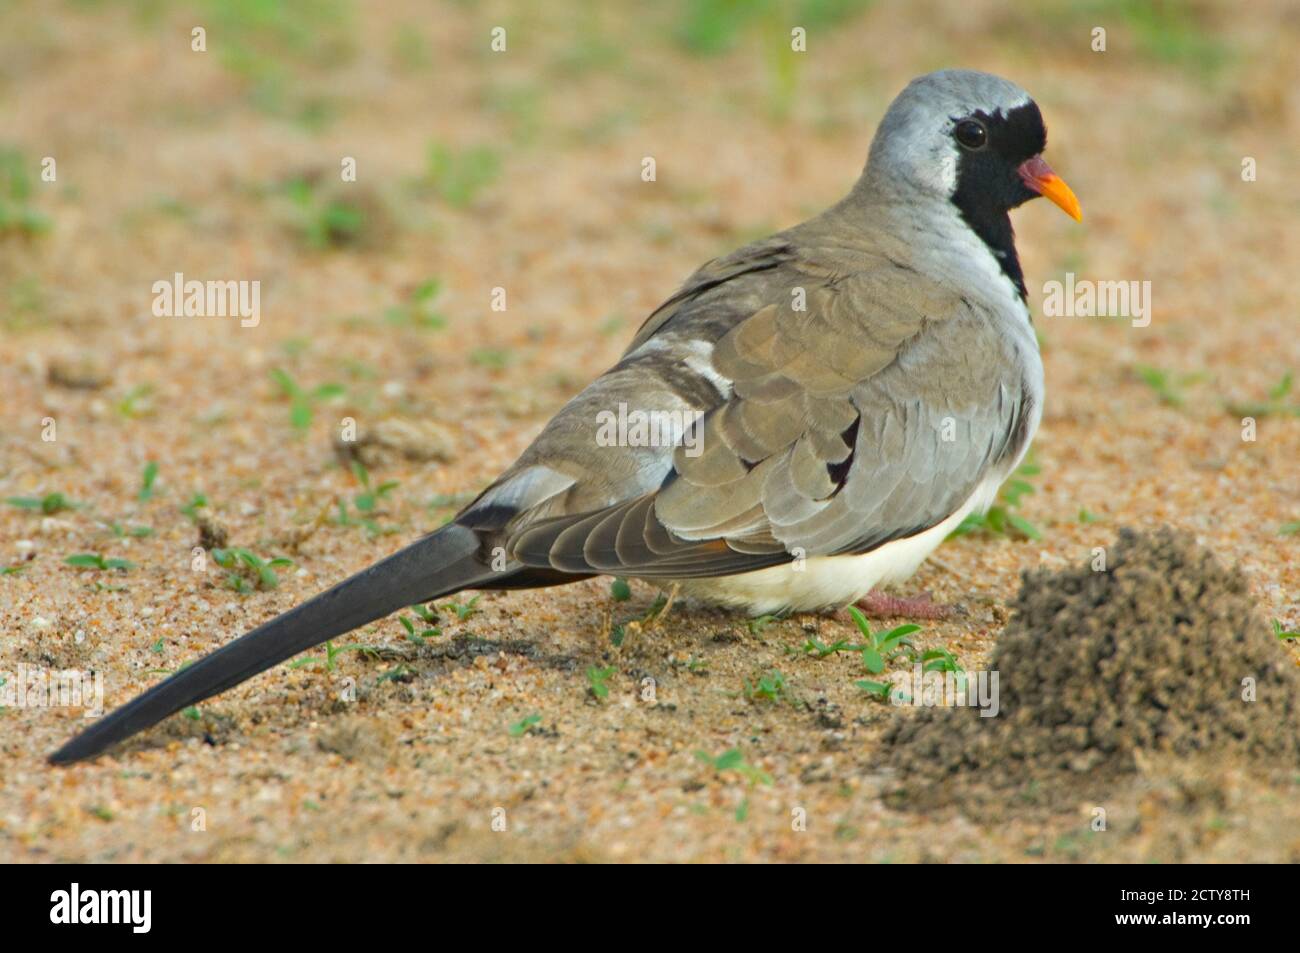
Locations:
(970, 140)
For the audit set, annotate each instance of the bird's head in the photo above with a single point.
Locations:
(970, 138)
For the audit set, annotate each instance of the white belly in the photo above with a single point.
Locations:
(825, 582)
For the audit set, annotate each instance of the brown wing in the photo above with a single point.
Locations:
(869, 415)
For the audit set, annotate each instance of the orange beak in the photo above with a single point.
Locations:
(1038, 175)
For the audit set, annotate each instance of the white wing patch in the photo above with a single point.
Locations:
(826, 582)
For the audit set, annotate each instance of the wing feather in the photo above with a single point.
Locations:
(830, 430)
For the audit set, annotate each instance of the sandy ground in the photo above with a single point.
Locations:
(170, 160)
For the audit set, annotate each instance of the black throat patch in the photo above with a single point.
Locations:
(989, 184)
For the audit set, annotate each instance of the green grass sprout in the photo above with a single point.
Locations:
(96, 561)
(248, 571)
(49, 504)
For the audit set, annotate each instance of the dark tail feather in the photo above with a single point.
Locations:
(438, 565)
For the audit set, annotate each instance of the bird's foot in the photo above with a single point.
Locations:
(660, 612)
(879, 605)
(651, 621)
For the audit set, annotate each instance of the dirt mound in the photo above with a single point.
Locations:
(1161, 653)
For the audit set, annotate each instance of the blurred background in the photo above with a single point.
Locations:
(520, 169)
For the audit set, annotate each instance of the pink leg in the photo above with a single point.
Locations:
(878, 605)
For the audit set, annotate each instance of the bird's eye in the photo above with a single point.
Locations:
(971, 134)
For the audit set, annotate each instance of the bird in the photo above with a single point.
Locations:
(805, 419)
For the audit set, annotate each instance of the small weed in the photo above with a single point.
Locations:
(49, 504)
(463, 612)
(424, 612)
(196, 503)
(1275, 403)
(1169, 386)
(366, 500)
(597, 679)
(332, 653)
(942, 660)
(96, 561)
(137, 402)
(822, 650)
(881, 647)
(399, 673)
(697, 666)
(170, 671)
(872, 687)
(247, 567)
(523, 726)
(134, 532)
(422, 636)
(757, 624)
(324, 221)
(734, 760)
(418, 310)
(1000, 519)
(458, 176)
(147, 480)
(770, 687)
(17, 215)
(371, 526)
(302, 402)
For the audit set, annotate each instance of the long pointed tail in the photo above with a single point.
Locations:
(439, 564)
